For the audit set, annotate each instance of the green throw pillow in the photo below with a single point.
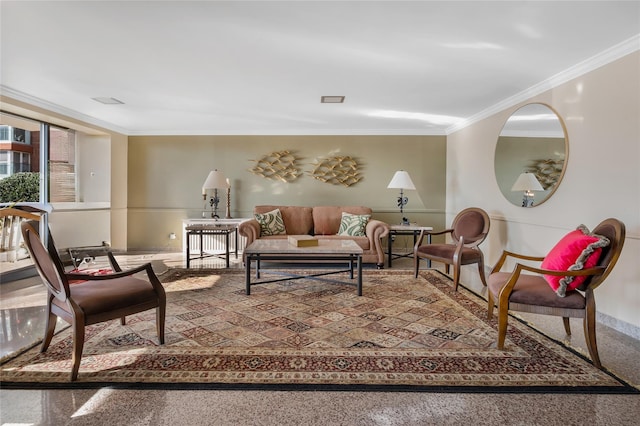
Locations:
(353, 224)
(271, 223)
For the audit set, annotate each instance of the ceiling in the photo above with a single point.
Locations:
(216, 67)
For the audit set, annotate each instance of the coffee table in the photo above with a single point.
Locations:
(281, 250)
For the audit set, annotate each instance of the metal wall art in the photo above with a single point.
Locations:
(336, 171)
(278, 165)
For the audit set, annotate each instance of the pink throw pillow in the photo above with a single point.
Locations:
(577, 250)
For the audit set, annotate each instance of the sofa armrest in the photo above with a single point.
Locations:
(250, 229)
(375, 231)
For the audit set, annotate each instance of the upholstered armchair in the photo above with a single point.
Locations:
(82, 299)
(560, 290)
(468, 230)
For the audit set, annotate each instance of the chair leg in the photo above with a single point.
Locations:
(481, 272)
(49, 330)
(567, 325)
(78, 344)
(446, 268)
(160, 319)
(456, 277)
(503, 315)
(416, 264)
(123, 321)
(590, 332)
(490, 305)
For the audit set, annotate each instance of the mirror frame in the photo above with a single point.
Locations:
(566, 153)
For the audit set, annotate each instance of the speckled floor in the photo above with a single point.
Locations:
(21, 319)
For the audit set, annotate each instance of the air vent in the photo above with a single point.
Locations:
(332, 99)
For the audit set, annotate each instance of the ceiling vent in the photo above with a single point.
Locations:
(108, 101)
(332, 99)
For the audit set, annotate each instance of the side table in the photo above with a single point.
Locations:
(201, 230)
(405, 230)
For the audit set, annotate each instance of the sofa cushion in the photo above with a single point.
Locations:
(353, 224)
(327, 219)
(297, 220)
(271, 223)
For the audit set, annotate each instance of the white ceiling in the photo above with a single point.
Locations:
(215, 67)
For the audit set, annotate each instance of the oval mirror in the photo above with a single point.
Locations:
(531, 155)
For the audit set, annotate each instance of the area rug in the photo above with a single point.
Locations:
(403, 333)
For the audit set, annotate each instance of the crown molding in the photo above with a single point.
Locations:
(616, 52)
(57, 109)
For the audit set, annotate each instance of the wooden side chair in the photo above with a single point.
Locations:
(84, 299)
(531, 292)
(10, 220)
(468, 230)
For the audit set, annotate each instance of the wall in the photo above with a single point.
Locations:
(166, 174)
(601, 110)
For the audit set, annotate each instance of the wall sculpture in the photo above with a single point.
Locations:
(337, 170)
(278, 165)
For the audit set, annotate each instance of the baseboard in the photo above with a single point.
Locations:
(619, 325)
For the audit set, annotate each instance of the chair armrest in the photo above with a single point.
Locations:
(114, 263)
(250, 229)
(505, 293)
(424, 232)
(375, 231)
(153, 279)
(506, 254)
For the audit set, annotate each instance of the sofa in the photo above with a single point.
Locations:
(323, 222)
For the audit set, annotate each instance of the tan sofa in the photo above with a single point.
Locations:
(322, 222)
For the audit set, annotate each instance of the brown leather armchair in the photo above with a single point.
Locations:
(84, 299)
(468, 230)
(525, 292)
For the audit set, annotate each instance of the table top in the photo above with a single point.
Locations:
(282, 246)
(211, 227)
(410, 228)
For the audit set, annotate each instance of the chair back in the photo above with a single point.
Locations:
(615, 231)
(472, 224)
(47, 262)
(10, 219)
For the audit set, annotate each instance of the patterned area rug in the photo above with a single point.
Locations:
(404, 333)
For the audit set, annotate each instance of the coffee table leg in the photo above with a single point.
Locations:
(351, 267)
(247, 275)
(258, 267)
(359, 275)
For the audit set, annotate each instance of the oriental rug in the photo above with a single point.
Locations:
(403, 333)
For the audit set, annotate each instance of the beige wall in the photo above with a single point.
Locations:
(601, 110)
(166, 173)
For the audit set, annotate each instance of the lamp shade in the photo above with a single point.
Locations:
(216, 179)
(527, 182)
(401, 180)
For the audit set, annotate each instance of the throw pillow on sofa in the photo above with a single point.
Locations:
(579, 249)
(353, 224)
(271, 223)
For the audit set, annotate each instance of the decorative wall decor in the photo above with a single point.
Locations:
(547, 171)
(337, 171)
(278, 165)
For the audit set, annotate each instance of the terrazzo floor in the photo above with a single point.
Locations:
(21, 305)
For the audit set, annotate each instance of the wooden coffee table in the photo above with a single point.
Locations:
(281, 250)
